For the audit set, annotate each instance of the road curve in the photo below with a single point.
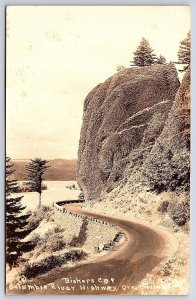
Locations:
(141, 252)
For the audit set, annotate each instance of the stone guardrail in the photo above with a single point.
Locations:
(63, 210)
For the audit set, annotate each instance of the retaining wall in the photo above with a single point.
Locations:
(98, 232)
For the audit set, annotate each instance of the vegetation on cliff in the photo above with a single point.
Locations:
(168, 165)
(144, 54)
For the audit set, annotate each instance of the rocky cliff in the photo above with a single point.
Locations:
(123, 117)
(167, 165)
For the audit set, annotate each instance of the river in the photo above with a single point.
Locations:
(56, 191)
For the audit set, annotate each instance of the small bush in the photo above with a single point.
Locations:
(52, 241)
(49, 263)
(58, 229)
(55, 243)
(120, 68)
(167, 269)
(44, 212)
(180, 213)
(163, 206)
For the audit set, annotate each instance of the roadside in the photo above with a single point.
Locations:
(146, 207)
(142, 251)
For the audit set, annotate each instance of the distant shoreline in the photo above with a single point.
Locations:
(49, 159)
(60, 169)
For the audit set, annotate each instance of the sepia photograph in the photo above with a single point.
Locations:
(98, 150)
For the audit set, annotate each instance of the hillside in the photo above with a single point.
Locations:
(61, 169)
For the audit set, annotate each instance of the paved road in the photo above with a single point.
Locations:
(128, 265)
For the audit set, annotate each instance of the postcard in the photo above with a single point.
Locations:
(97, 150)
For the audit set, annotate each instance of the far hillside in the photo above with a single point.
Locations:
(61, 169)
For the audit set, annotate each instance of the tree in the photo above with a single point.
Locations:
(161, 60)
(16, 223)
(184, 52)
(167, 170)
(35, 171)
(144, 56)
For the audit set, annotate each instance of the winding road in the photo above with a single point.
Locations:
(119, 271)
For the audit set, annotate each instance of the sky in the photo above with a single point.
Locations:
(57, 54)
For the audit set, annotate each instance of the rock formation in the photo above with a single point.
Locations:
(167, 166)
(123, 117)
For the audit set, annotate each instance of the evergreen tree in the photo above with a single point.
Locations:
(35, 171)
(161, 60)
(16, 223)
(144, 56)
(184, 53)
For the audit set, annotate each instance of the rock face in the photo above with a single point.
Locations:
(122, 119)
(167, 165)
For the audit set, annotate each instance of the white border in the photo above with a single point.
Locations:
(3, 4)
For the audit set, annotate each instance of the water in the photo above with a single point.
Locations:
(56, 191)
